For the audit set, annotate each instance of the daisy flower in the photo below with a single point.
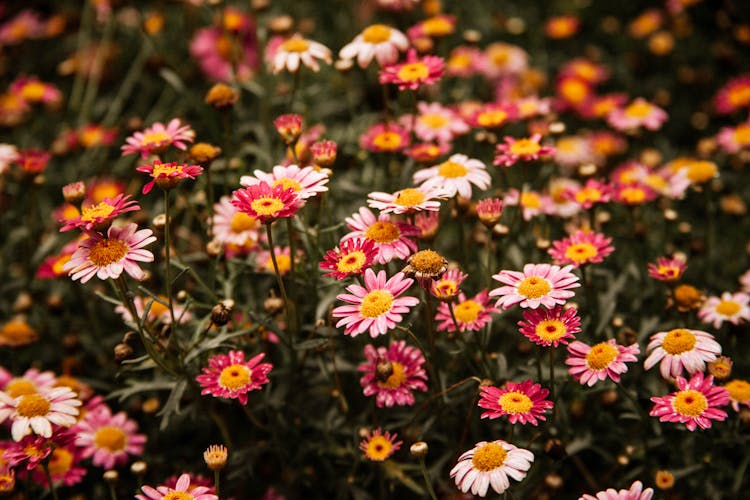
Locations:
(573, 150)
(181, 491)
(633, 194)
(37, 412)
(581, 247)
(376, 41)
(588, 364)
(732, 139)
(489, 211)
(463, 61)
(63, 467)
(492, 115)
(350, 258)
(295, 50)
(264, 261)
(695, 403)
(448, 285)
(734, 95)
(31, 89)
(157, 138)
(525, 149)
(376, 306)
(107, 438)
(230, 376)
(225, 55)
(538, 284)
(393, 374)
(385, 138)
(107, 257)
(471, 314)
(739, 393)
(266, 203)
(437, 26)
(550, 327)
(490, 464)
(679, 348)
(305, 182)
(425, 265)
(639, 113)
(391, 238)
(573, 91)
(230, 226)
(168, 175)
(635, 492)
(522, 402)
(378, 446)
(289, 128)
(591, 193)
(435, 122)
(31, 382)
(561, 27)
(561, 205)
(730, 307)
(667, 269)
(413, 73)
(409, 200)
(99, 215)
(455, 176)
(502, 59)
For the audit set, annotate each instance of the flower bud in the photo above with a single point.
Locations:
(419, 449)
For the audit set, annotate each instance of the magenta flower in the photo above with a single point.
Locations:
(667, 269)
(265, 202)
(379, 445)
(695, 404)
(471, 314)
(385, 138)
(168, 175)
(588, 364)
(581, 247)
(392, 374)
(525, 149)
(350, 258)
(522, 402)
(550, 327)
(230, 376)
(157, 138)
(538, 284)
(635, 492)
(99, 215)
(413, 73)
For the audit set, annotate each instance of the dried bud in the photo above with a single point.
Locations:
(664, 480)
(289, 127)
(23, 302)
(214, 248)
(151, 406)
(273, 304)
(609, 397)
(419, 449)
(426, 264)
(123, 352)
(138, 468)
(74, 193)
(324, 153)
(383, 370)
(111, 476)
(203, 153)
(221, 313)
(215, 457)
(554, 448)
(221, 96)
(720, 368)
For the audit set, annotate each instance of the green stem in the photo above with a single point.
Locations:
(295, 85)
(167, 258)
(112, 492)
(552, 382)
(459, 330)
(288, 305)
(426, 476)
(53, 492)
(217, 475)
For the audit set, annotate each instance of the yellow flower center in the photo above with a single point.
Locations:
(690, 403)
(530, 200)
(702, 171)
(670, 272)
(284, 263)
(601, 355)
(638, 109)
(387, 141)
(377, 33)
(242, 222)
(267, 205)
(550, 330)
(524, 147)
(437, 26)
(728, 308)
(489, 457)
(232, 21)
(664, 479)
(413, 72)
(107, 251)
(150, 138)
(678, 341)
(178, 495)
(18, 332)
(93, 212)
(20, 387)
(110, 438)
(468, 311)
(104, 190)
(158, 308)
(378, 448)
(742, 134)
(427, 262)
(574, 90)
(235, 377)
(534, 287)
(446, 288)
(33, 405)
(60, 462)
(687, 296)
(33, 452)
(459, 61)
(739, 390)
(376, 303)
(351, 262)
(396, 379)
(452, 170)
(434, 120)
(581, 252)
(409, 197)
(739, 96)
(591, 194)
(295, 45)
(500, 56)
(515, 402)
(489, 119)
(33, 91)
(632, 195)
(383, 232)
(288, 183)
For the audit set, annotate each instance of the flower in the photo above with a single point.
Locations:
(588, 364)
(8, 156)
(230, 376)
(63, 466)
(455, 176)
(525, 149)
(471, 314)
(157, 138)
(264, 260)
(490, 464)
(108, 257)
(17, 332)
(425, 265)
(734, 95)
(694, 404)
(324, 153)
(215, 456)
(591, 193)
(379, 41)
(296, 49)
(266, 203)
(639, 113)
(680, 348)
(392, 239)
(532, 203)
(350, 258)
(378, 445)
(447, 286)
(38, 411)
(492, 115)
(437, 26)
(635, 492)
(181, 491)
(233, 227)
(31, 382)
(561, 27)
(504, 59)
(99, 215)
(522, 402)
(739, 393)
(550, 327)
(435, 122)
(377, 306)
(413, 73)
(33, 90)
(224, 53)
(581, 247)
(687, 298)
(667, 269)
(168, 175)
(730, 307)
(305, 182)
(732, 139)
(289, 127)
(538, 284)
(409, 200)
(392, 374)
(489, 211)
(108, 438)
(385, 137)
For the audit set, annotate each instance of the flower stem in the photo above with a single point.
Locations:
(167, 258)
(459, 330)
(288, 306)
(112, 492)
(552, 382)
(426, 476)
(217, 476)
(53, 492)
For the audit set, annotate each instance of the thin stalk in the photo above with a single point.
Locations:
(53, 492)
(426, 476)
(112, 492)
(210, 201)
(295, 85)
(459, 330)
(217, 476)
(552, 383)
(222, 425)
(288, 305)
(167, 259)
(96, 73)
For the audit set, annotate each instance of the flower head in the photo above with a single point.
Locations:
(99, 215)
(425, 265)
(266, 203)
(413, 73)
(435, 122)
(522, 402)
(739, 393)
(639, 113)
(157, 138)
(377, 41)
(490, 464)
(695, 403)
(409, 200)
(489, 211)
(667, 269)
(109, 439)
(635, 492)
(289, 127)
(681, 348)
(391, 238)
(385, 138)
(392, 374)
(168, 175)
(447, 286)
(590, 364)
(230, 376)
(550, 327)
(378, 446)
(734, 139)
(306, 182)
(233, 227)
(350, 258)
(295, 50)
(455, 176)
(538, 284)
(733, 308)
(734, 95)
(37, 412)
(581, 247)
(525, 149)
(181, 491)
(471, 314)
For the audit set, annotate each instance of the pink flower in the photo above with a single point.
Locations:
(306, 182)
(33, 90)
(733, 308)
(635, 492)
(230, 376)
(98, 216)
(350, 258)
(734, 95)
(233, 227)
(434, 122)
(378, 446)
(107, 257)
(108, 438)
(409, 200)
(413, 73)
(734, 139)
(471, 314)
(64, 467)
(295, 50)
(639, 113)
(392, 239)
(667, 269)
(448, 285)
(694, 404)
(522, 402)
(581, 247)
(455, 176)
(550, 327)
(588, 364)
(538, 284)
(377, 41)
(32, 449)
(158, 310)
(392, 374)
(182, 486)
(492, 115)
(31, 382)
(214, 49)
(377, 306)
(157, 138)
(679, 348)
(38, 412)
(385, 137)
(266, 203)
(168, 175)
(491, 464)
(525, 149)
(489, 211)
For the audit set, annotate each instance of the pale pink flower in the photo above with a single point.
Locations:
(525, 149)
(581, 247)
(435, 123)
(233, 227)
(413, 73)
(408, 200)
(491, 464)
(376, 41)
(295, 50)
(591, 364)
(455, 176)
(730, 307)
(679, 348)
(695, 404)
(39, 411)
(471, 314)
(216, 52)
(538, 285)
(158, 311)
(392, 374)
(734, 139)
(306, 182)
(108, 439)
(182, 490)
(639, 113)
(391, 238)
(157, 138)
(230, 376)
(635, 492)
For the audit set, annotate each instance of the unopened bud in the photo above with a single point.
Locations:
(111, 476)
(419, 449)
(74, 193)
(221, 313)
(215, 457)
(139, 468)
(123, 352)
